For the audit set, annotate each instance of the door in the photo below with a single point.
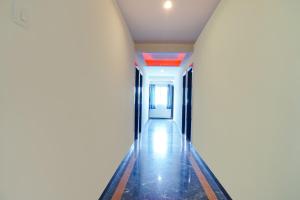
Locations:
(140, 101)
(136, 103)
(189, 104)
(183, 104)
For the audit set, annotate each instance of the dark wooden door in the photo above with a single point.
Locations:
(189, 104)
(183, 104)
(140, 102)
(136, 103)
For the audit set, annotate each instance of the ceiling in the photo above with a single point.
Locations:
(149, 22)
(167, 73)
(162, 59)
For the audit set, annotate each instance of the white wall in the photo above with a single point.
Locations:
(178, 99)
(246, 109)
(66, 99)
(173, 74)
(145, 106)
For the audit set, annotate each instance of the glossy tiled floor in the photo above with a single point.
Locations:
(163, 165)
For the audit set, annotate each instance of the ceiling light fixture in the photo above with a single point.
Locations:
(168, 5)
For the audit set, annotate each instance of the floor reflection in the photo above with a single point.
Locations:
(162, 170)
(160, 141)
(159, 166)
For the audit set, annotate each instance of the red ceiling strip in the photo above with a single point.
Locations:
(175, 63)
(150, 61)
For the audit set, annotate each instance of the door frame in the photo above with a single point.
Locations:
(183, 121)
(136, 103)
(189, 104)
(172, 109)
(140, 101)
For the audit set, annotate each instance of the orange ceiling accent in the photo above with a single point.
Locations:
(164, 61)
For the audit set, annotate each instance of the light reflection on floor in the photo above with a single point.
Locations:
(159, 141)
(162, 169)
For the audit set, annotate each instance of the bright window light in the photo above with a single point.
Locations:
(161, 96)
(168, 5)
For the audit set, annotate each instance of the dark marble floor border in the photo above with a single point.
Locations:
(202, 179)
(123, 182)
(115, 179)
(201, 161)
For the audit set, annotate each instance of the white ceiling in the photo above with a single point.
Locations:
(149, 22)
(161, 73)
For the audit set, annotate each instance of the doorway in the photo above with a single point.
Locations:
(161, 101)
(138, 103)
(187, 103)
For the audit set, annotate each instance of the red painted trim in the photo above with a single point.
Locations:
(163, 62)
(150, 61)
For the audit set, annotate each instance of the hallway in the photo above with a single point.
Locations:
(80, 80)
(163, 165)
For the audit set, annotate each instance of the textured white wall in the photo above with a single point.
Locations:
(246, 111)
(66, 99)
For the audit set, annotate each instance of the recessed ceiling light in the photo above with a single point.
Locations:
(168, 5)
